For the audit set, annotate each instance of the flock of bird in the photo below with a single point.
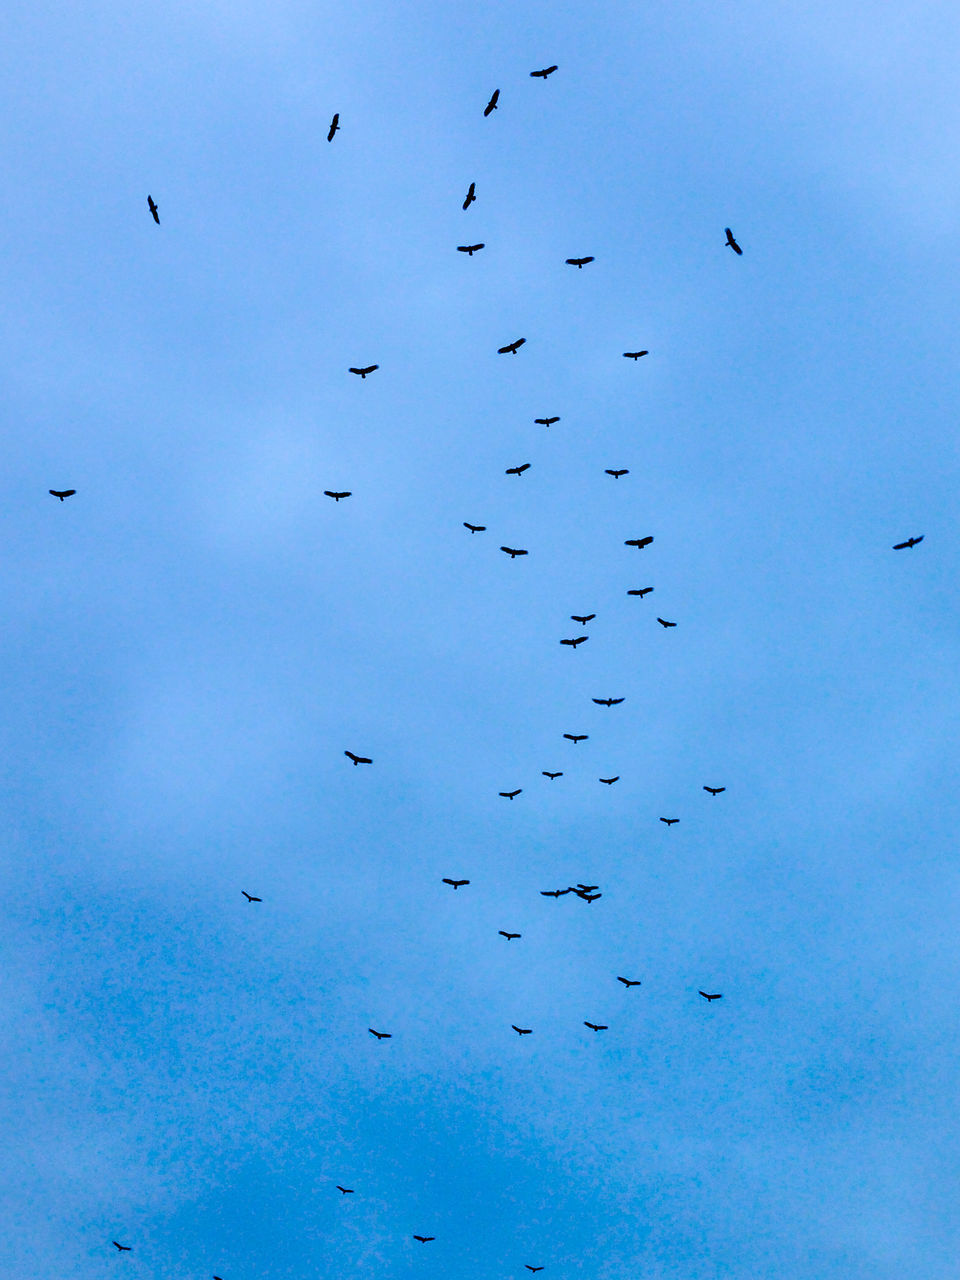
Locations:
(588, 893)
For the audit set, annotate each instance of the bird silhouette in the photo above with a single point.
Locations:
(336, 496)
(582, 618)
(586, 888)
(470, 249)
(731, 242)
(587, 897)
(639, 543)
(124, 1248)
(607, 702)
(456, 883)
(334, 126)
(546, 422)
(153, 209)
(714, 791)
(617, 474)
(358, 759)
(492, 104)
(547, 71)
(347, 1191)
(910, 542)
(512, 347)
(364, 371)
(610, 781)
(573, 643)
(471, 195)
(475, 528)
(381, 1035)
(554, 893)
(629, 982)
(62, 493)
(249, 897)
(669, 821)
(716, 996)
(551, 776)
(635, 355)
(517, 471)
(596, 1026)
(508, 795)
(424, 1239)
(576, 737)
(513, 552)
(521, 1031)
(663, 622)
(509, 936)
(579, 263)
(640, 591)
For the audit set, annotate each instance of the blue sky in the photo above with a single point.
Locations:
(195, 638)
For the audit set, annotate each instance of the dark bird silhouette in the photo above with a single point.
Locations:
(586, 888)
(607, 702)
(640, 591)
(547, 71)
(635, 355)
(546, 422)
(347, 1191)
(521, 1031)
(364, 371)
(471, 195)
(731, 242)
(573, 643)
(336, 496)
(249, 897)
(381, 1035)
(910, 542)
(582, 618)
(629, 982)
(617, 474)
(508, 795)
(578, 262)
(492, 104)
(456, 883)
(663, 622)
(512, 347)
(470, 249)
(475, 528)
(716, 996)
(587, 897)
(576, 737)
(124, 1248)
(551, 776)
(596, 1026)
(153, 209)
(62, 493)
(358, 759)
(517, 471)
(513, 552)
(639, 543)
(508, 936)
(669, 821)
(610, 781)
(554, 893)
(424, 1239)
(714, 791)
(334, 126)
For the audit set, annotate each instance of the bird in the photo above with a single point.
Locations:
(475, 528)
(716, 996)
(554, 893)
(596, 1026)
(512, 347)
(551, 776)
(586, 888)
(579, 263)
(607, 702)
(381, 1035)
(582, 618)
(731, 242)
(587, 897)
(517, 471)
(547, 71)
(334, 126)
(471, 195)
(492, 104)
(639, 543)
(336, 496)
(610, 781)
(521, 1031)
(669, 821)
(617, 474)
(714, 791)
(640, 591)
(513, 552)
(573, 643)
(358, 759)
(503, 934)
(508, 795)
(363, 372)
(62, 493)
(456, 883)
(635, 355)
(153, 209)
(347, 1191)
(424, 1239)
(910, 542)
(249, 897)
(629, 982)
(124, 1248)
(470, 249)
(663, 622)
(546, 422)
(577, 737)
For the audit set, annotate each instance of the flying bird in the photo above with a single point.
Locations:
(517, 471)
(607, 702)
(508, 936)
(153, 209)
(456, 883)
(579, 263)
(424, 1239)
(546, 422)
(731, 242)
(521, 1031)
(910, 542)
(610, 781)
(381, 1035)
(587, 897)
(471, 195)
(336, 496)
(551, 776)
(583, 619)
(347, 1191)
(512, 347)
(716, 996)
(554, 893)
(640, 591)
(508, 795)
(363, 372)
(714, 791)
(334, 126)
(629, 982)
(475, 528)
(358, 759)
(669, 821)
(492, 104)
(124, 1248)
(639, 543)
(470, 249)
(596, 1026)
(573, 643)
(62, 493)
(249, 897)
(635, 355)
(513, 552)
(577, 737)
(663, 622)
(617, 474)
(547, 71)
(586, 888)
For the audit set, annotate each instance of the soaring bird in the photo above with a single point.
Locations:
(551, 776)
(546, 422)
(153, 209)
(471, 195)
(576, 737)
(368, 369)
(578, 262)
(471, 249)
(629, 982)
(358, 759)
(714, 791)
(456, 883)
(508, 795)
(586, 888)
(731, 242)
(582, 618)
(521, 1031)
(492, 104)
(596, 1026)
(62, 493)
(610, 781)
(635, 355)
(503, 934)
(512, 347)
(381, 1035)
(249, 897)
(669, 821)
(573, 643)
(475, 528)
(716, 996)
(124, 1248)
(554, 893)
(587, 897)
(617, 474)
(334, 126)
(640, 591)
(607, 702)
(663, 622)
(547, 71)
(639, 543)
(424, 1239)
(336, 496)
(347, 1191)
(910, 542)
(517, 471)
(513, 552)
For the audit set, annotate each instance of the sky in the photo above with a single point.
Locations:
(195, 638)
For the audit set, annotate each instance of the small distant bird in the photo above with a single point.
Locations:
(492, 104)
(635, 355)
(347, 1191)
(546, 422)
(475, 528)
(547, 71)
(576, 737)
(521, 1031)
(153, 209)
(607, 702)
(587, 897)
(579, 263)
(731, 242)
(554, 893)
(249, 897)
(334, 126)
(582, 618)
(367, 369)
(358, 759)
(551, 776)
(456, 883)
(424, 1239)
(62, 493)
(910, 542)
(629, 982)
(508, 795)
(586, 888)
(716, 996)
(596, 1026)
(471, 195)
(610, 781)
(512, 347)
(336, 496)
(513, 552)
(640, 591)
(517, 471)
(714, 791)
(573, 643)
(669, 821)
(381, 1035)
(124, 1248)
(639, 543)
(663, 622)
(508, 936)
(470, 249)
(617, 474)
